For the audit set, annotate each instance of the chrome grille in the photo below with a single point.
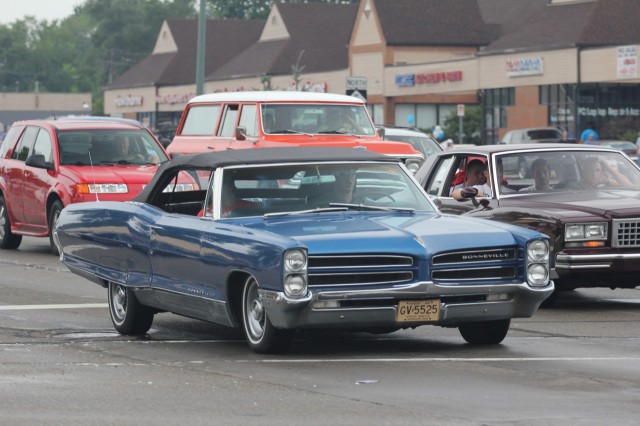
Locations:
(626, 233)
(474, 273)
(489, 255)
(499, 263)
(354, 270)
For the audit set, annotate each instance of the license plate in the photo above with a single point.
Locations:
(418, 310)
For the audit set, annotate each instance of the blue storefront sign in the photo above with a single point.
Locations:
(405, 80)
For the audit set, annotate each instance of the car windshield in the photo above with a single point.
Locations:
(424, 144)
(108, 147)
(294, 189)
(557, 170)
(316, 119)
(544, 134)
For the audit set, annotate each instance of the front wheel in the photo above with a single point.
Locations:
(54, 213)
(8, 240)
(128, 316)
(486, 332)
(262, 336)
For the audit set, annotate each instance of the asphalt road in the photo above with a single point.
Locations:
(62, 363)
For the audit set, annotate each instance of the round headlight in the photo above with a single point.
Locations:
(537, 251)
(412, 166)
(295, 260)
(295, 285)
(537, 274)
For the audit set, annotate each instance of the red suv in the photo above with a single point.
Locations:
(263, 119)
(48, 164)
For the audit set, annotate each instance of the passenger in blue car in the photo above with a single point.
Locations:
(230, 202)
(343, 188)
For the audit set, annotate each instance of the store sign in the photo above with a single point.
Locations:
(525, 66)
(307, 86)
(605, 112)
(428, 78)
(174, 99)
(405, 80)
(128, 101)
(627, 62)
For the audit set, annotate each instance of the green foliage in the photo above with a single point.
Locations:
(253, 9)
(471, 126)
(87, 50)
(100, 41)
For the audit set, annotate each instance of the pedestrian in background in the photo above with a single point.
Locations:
(589, 131)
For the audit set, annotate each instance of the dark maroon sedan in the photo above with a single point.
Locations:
(585, 197)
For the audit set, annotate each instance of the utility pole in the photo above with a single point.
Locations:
(202, 27)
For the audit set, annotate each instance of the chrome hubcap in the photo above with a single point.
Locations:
(255, 315)
(119, 302)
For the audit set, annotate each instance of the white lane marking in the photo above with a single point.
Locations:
(523, 359)
(53, 306)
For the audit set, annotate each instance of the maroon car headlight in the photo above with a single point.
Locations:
(295, 273)
(538, 262)
(585, 231)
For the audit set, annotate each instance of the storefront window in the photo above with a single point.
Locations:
(611, 109)
(376, 111)
(494, 105)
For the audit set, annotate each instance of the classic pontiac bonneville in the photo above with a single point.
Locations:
(273, 246)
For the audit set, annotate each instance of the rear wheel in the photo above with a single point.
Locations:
(262, 336)
(486, 332)
(54, 213)
(128, 316)
(8, 240)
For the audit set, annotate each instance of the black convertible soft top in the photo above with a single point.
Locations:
(233, 157)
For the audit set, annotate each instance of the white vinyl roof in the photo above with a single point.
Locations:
(275, 96)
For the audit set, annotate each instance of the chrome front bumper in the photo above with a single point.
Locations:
(377, 308)
(593, 261)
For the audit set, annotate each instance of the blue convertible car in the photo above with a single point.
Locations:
(279, 240)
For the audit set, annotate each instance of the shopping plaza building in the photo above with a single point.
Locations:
(527, 63)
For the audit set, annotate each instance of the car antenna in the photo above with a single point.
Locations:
(93, 173)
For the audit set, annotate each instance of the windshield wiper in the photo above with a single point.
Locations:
(290, 131)
(318, 210)
(334, 132)
(367, 207)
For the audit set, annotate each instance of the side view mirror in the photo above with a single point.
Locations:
(381, 132)
(241, 133)
(38, 161)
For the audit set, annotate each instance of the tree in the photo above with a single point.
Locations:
(471, 125)
(253, 9)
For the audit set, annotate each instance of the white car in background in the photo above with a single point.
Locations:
(419, 140)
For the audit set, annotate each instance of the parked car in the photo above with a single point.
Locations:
(265, 119)
(419, 140)
(595, 232)
(532, 135)
(629, 148)
(46, 165)
(265, 249)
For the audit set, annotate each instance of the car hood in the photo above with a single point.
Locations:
(614, 203)
(131, 174)
(421, 234)
(399, 149)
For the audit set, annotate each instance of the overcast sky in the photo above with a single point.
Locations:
(11, 10)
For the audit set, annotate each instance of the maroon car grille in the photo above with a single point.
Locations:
(626, 233)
